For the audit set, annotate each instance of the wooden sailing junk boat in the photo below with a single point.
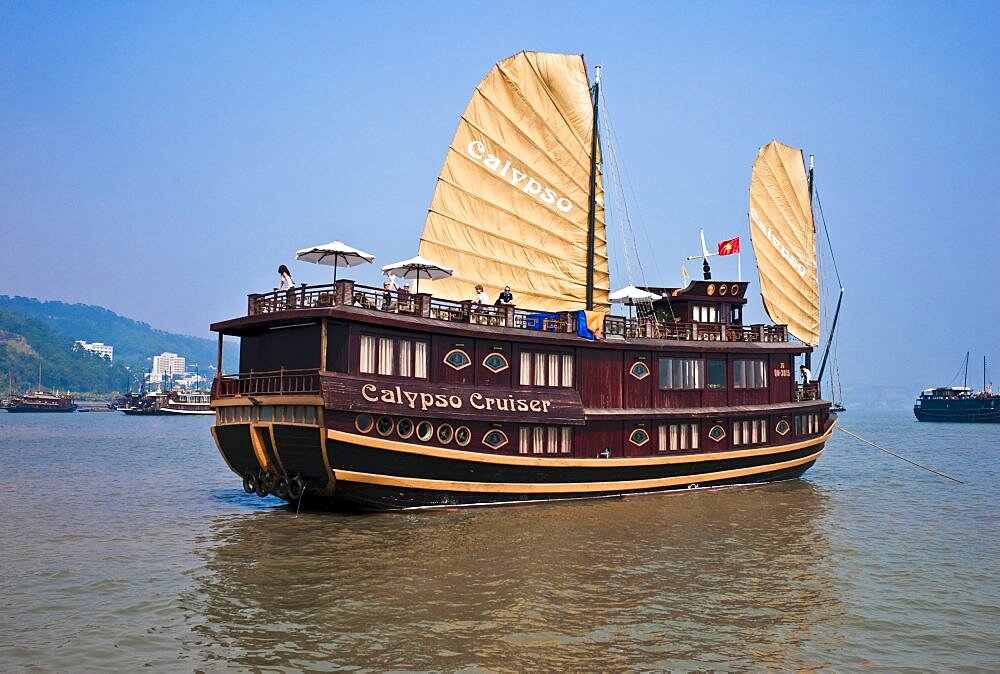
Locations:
(363, 398)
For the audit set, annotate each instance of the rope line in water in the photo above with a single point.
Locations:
(903, 458)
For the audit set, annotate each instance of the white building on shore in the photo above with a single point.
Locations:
(100, 348)
(169, 365)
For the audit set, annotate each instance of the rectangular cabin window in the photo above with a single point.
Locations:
(716, 374)
(545, 440)
(705, 313)
(678, 437)
(405, 358)
(682, 373)
(393, 356)
(546, 369)
(806, 424)
(367, 365)
(749, 432)
(749, 373)
(385, 355)
(567, 371)
(420, 360)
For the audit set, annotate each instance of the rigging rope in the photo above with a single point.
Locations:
(902, 458)
(644, 308)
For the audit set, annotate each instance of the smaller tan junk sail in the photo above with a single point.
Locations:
(784, 239)
(511, 202)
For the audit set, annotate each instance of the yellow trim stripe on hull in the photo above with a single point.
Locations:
(564, 487)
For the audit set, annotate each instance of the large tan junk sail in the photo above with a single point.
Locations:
(511, 202)
(784, 241)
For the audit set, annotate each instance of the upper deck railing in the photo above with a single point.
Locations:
(346, 292)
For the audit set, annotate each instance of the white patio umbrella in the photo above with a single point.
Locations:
(418, 268)
(631, 296)
(336, 254)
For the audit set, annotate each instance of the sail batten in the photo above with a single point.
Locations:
(510, 205)
(784, 240)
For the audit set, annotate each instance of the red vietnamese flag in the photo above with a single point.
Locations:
(729, 247)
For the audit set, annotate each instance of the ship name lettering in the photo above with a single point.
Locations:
(509, 404)
(397, 396)
(477, 150)
(425, 401)
(778, 246)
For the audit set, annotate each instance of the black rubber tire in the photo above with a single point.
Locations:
(249, 483)
(262, 485)
(281, 487)
(296, 487)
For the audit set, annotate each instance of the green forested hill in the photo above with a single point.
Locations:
(33, 331)
(26, 343)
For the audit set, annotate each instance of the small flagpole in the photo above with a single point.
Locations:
(739, 266)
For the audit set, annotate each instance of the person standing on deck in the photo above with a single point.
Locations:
(286, 284)
(806, 374)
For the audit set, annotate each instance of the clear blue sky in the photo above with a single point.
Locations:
(162, 159)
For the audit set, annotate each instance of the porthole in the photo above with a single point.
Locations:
(384, 426)
(782, 427)
(404, 428)
(639, 370)
(457, 359)
(425, 431)
(717, 433)
(445, 433)
(463, 436)
(364, 423)
(495, 362)
(495, 439)
(639, 437)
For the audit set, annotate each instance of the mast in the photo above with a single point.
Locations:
(808, 358)
(984, 373)
(965, 382)
(592, 205)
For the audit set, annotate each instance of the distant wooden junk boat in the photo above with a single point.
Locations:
(959, 403)
(351, 396)
(39, 401)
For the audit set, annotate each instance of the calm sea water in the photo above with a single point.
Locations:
(126, 543)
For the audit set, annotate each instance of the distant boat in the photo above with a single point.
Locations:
(959, 403)
(171, 403)
(184, 403)
(148, 405)
(39, 401)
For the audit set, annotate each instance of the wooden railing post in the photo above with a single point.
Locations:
(423, 305)
(508, 315)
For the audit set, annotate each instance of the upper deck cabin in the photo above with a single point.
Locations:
(695, 346)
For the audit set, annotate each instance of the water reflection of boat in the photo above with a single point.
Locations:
(527, 589)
